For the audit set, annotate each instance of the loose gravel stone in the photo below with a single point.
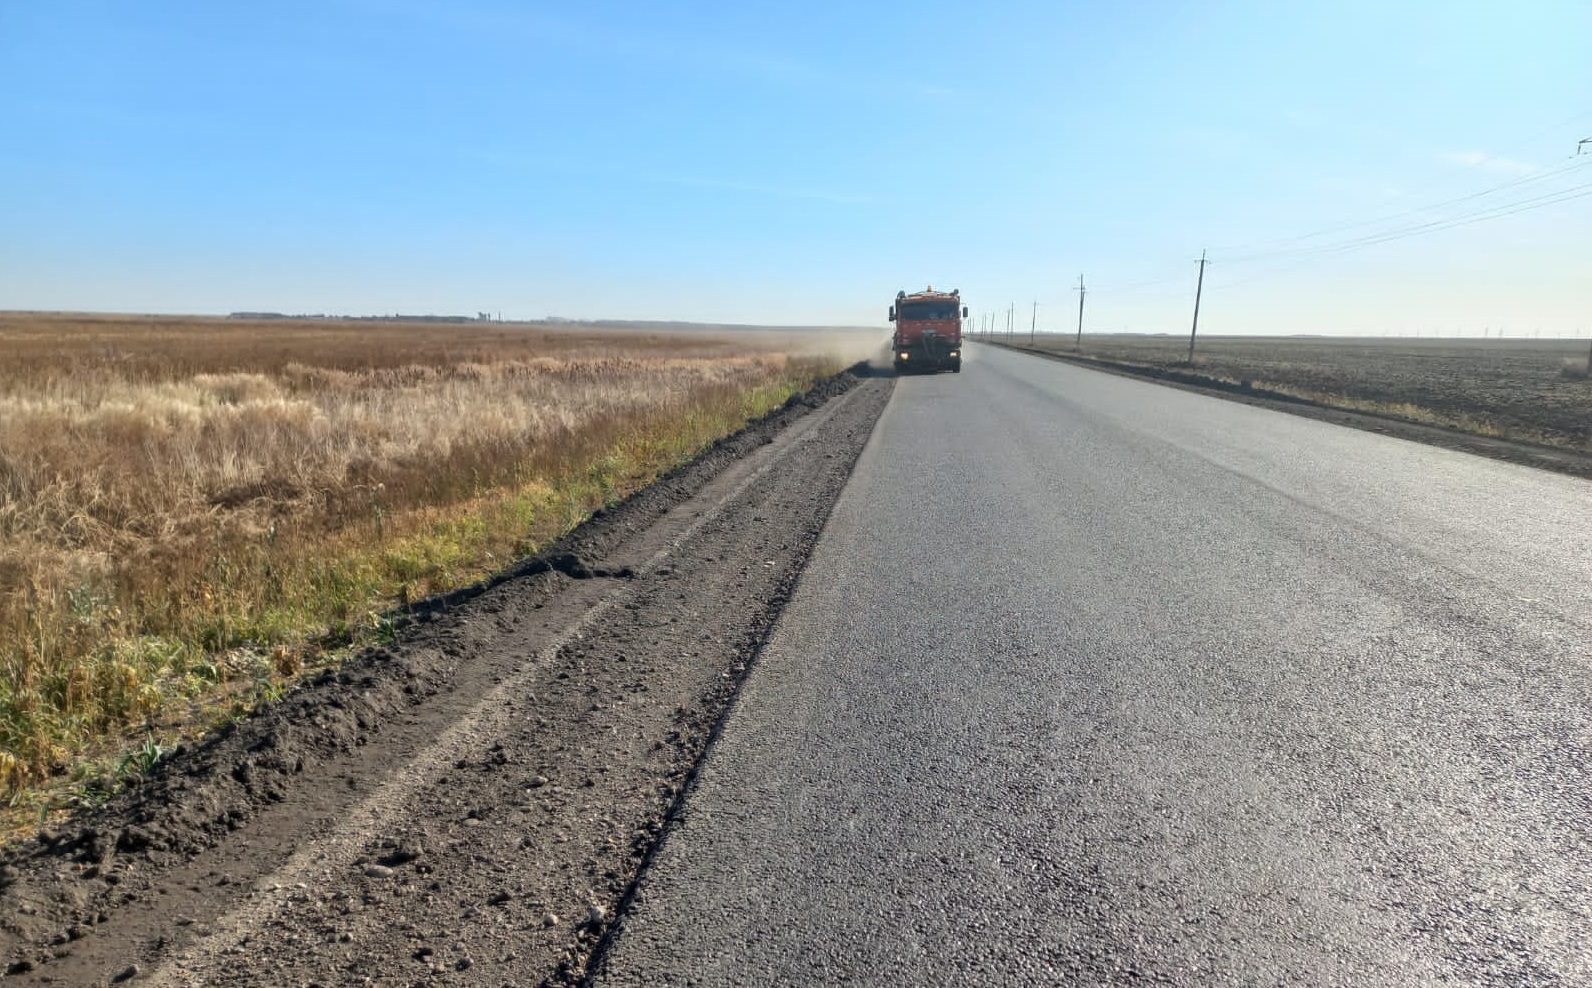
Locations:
(517, 662)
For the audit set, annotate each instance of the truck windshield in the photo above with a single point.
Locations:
(928, 310)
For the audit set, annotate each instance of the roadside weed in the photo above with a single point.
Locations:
(230, 513)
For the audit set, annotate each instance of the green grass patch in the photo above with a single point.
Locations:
(102, 682)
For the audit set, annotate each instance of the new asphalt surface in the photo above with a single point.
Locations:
(1095, 682)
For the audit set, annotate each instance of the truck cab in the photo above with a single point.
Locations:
(928, 333)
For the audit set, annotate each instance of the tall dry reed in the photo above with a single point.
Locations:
(192, 511)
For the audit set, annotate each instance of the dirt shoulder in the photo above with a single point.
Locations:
(471, 803)
(1514, 451)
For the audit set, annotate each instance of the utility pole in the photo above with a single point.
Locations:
(1199, 286)
(1079, 345)
(1011, 318)
(1581, 147)
(1033, 321)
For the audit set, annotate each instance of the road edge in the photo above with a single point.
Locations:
(1516, 451)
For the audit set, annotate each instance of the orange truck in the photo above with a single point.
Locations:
(928, 333)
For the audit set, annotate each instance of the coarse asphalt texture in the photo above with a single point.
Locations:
(1091, 681)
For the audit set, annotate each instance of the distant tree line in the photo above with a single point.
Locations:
(479, 317)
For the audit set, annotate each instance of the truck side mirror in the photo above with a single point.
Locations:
(964, 312)
(892, 313)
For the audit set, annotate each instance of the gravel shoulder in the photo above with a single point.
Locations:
(470, 804)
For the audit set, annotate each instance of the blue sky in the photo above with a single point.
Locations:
(798, 163)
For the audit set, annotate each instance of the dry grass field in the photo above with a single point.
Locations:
(1535, 390)
(193, 511)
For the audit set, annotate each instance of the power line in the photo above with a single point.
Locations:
(1433, 226)
(1392, 233)
(1402, 233)
(1539, 177)
(1301, 258)
(1130, 286)
(1560, 125)
(1557, 126)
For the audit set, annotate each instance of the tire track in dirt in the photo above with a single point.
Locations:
(468, 805)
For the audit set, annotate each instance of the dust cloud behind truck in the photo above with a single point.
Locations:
(928, 333)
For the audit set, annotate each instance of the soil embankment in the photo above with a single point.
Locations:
(471, 803)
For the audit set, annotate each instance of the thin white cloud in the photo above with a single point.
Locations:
(1483, 161)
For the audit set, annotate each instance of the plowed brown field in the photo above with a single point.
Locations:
(1531, 390)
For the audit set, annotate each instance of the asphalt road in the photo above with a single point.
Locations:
(1095, 682)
